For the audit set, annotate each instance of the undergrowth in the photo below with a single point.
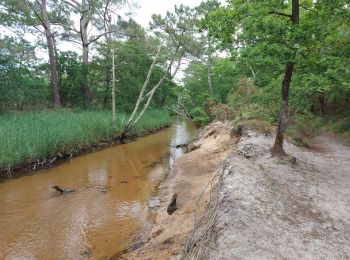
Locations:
(259, 109)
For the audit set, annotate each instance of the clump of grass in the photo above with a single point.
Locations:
(27, 136)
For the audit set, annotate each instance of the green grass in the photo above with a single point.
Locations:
(34, 135)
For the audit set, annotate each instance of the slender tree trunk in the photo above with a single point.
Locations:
(52, 58)
(209, 65)
(322, 104)
(107, 24)
(84, 22)
(282, 124)
(85, 84)
(277, 149)
(107, 84)
(210, 85)
(162, 102)
(113, 89)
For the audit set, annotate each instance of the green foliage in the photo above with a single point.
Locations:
(303, 127)
(21, 82)
(29, 136)
(70, 76)
(261, 41)
(250, 103)
(199, 116)
(195, 94)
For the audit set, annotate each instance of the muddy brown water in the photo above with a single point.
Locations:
(113, 188)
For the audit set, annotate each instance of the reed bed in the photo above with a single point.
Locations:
(27, 136)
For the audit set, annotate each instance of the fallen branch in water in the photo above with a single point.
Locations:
(61, 190)
(184, 114)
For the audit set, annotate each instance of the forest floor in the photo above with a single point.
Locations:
(256, 206)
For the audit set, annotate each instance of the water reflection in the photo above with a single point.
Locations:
(110, 203)
(183, 133)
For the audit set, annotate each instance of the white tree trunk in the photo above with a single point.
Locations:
(132, 122)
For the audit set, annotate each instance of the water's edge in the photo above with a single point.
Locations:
(116, 188)
(31, 166)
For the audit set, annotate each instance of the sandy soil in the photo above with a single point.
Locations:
(189, 176)
(265, 207)
(272, 208)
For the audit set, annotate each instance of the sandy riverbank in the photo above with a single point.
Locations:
(237, 202)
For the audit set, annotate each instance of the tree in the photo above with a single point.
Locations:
(93, 14)
(203, 11)
(34, 14)
(172, 31)
(252, 27)
(282, 123)
(22, 83)
(50, 46)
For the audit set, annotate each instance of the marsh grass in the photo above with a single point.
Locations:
(27, 136)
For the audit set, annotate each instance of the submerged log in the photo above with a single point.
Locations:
(62, 191)
(172, 206)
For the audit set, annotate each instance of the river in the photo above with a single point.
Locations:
(113, 187)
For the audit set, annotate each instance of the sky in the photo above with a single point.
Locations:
(142, 15)
(149, 7)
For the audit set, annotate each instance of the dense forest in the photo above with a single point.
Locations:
(272, 63)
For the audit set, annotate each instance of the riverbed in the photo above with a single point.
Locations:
(114, 189)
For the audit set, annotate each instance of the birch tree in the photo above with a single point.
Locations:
(173, 34)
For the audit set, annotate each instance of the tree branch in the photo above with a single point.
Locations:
(281, 14)
(36, 13)
(75, 7)
(98, 37)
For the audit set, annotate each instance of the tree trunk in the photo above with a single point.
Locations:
(278, 146)
(52, 58)
(113, 89)
(210, 85)
(282, 124)
(85, 84)
(322, 104)
(84, 22)
(107, 84)
(162, 102)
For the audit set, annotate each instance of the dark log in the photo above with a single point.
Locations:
(172, 206)
(61, 190)
(58, 188)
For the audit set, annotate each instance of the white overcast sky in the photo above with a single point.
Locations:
(150, 7)
(142, 15)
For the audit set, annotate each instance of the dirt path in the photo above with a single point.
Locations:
(274, 209)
